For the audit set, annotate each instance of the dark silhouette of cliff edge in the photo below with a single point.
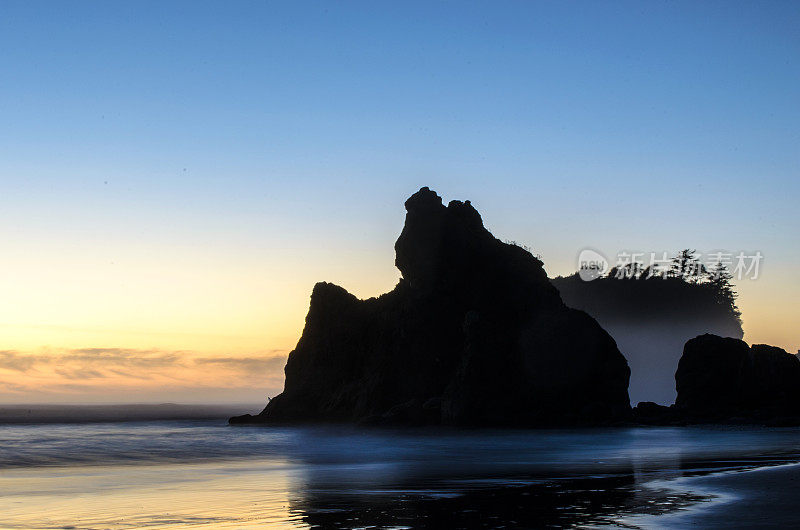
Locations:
(473, 334)
(651, 318)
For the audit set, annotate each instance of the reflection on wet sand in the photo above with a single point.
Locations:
(334, 478)
(171, 496)
(513, 502)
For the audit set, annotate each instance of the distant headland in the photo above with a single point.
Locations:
(652, 316)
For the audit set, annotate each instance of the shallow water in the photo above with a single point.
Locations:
(206, 474)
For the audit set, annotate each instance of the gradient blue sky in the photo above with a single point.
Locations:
(177, 175)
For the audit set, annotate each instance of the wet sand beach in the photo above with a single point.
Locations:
(764, 497)
(204, 474)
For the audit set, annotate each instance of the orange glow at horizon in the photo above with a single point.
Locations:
(196, 326)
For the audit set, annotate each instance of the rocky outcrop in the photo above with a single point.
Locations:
(473, 334)
(649, 413)
(720, 379)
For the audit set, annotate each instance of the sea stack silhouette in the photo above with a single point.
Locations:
(474, 334)
(720, 378)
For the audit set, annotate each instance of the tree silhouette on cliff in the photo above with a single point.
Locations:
(683, 289)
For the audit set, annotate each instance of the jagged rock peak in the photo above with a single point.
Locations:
(424, 199)
(445, 245)
(426, 205)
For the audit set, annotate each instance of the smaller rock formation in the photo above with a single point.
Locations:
(649, 413)
(722, 379)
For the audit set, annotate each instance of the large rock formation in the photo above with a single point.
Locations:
(473, 334)
(722, 378)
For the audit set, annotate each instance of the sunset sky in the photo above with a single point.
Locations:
(175, 177)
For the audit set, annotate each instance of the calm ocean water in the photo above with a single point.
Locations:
(203, 473)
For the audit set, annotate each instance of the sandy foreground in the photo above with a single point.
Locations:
(764, 497)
